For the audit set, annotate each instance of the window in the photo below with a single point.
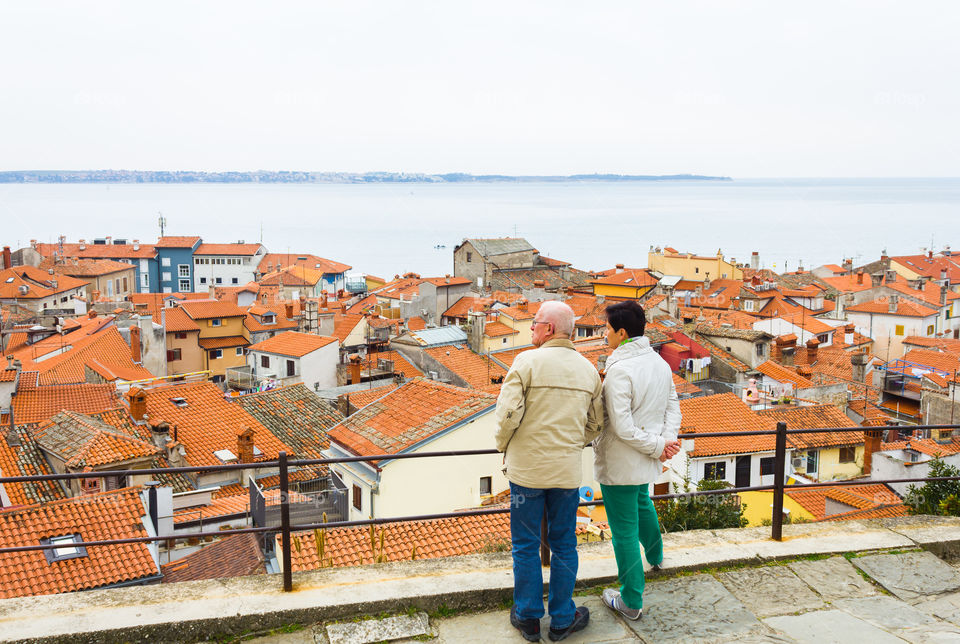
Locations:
(180, 335)
(184, 286)
(469, 257)
(203, 280)
(219, 280)
(759, 349)
(766, 466)
(715, 471)
(269, 319)
(116, 286)
(812, 458)
(291, 368)
(166, 276)
(183, 270)
(696, 269)
(234, 280)
(899, 329)
(66, 550)
(124, 284)
(822, 339)
(173, 354)
(357, 497)
(196, 260)
(486, 485)
(265, 362)
(216, 322)
(216, 354)
(504, 341)
(748, 305)
(239, 351)
(164, 261)
(144, 280)
(930, 330)
(848, 454)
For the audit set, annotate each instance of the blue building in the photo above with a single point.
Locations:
(174, 259)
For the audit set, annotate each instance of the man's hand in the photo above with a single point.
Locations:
(669, 451)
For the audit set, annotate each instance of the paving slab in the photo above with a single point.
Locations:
(945, 607)
(833, 578)
(808, 538)
(303, 636)
(770, 590)
(830, 627)
(940, 535)
(933, 634)
(379, 630)
(910, 575)
(604, 627)
(693, 609)
(886, 612)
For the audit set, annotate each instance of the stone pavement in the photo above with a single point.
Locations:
(877, 598)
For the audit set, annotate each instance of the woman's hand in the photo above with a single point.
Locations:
(669, 451)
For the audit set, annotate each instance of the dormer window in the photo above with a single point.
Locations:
(179, 402)
(216, 322)
(67, 548)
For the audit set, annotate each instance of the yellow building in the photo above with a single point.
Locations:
(223, 335)
(692, 267)
(759, 508)
(184, 354)
(632, 283)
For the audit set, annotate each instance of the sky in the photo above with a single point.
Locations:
(741, 89)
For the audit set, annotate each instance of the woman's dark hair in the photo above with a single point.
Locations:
(628, 316)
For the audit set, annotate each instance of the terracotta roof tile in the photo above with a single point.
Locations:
(363, 397)
(400, 364)
(343, 325)
(633, 277)
(506, 358)
(930, 266)
(858, 497)
(684, 387)
(86, 267)
(295, 415)
(432, 539)
(783, 375)
(810, 417)
(26, 459)
(925, 446)
(724, 413)
(416, 323)
(177, 320)
(153, 304)
(80, 441)
(292, 343)
(905, 308)
(223, 342)
(476, 370)
(109, 515)
(38, 283)
(271, 261)
(42, 403)
(409, 414)
(293, 276)
(130, 251)
(177, 242)
(208, 309)
(236, 556)
(498, 329)
(227, 249)
(941, 344)
(207, 423)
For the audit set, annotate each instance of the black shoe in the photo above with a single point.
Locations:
(580, 620)
(529, 628)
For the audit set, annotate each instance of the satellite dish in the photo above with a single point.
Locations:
(586, 493)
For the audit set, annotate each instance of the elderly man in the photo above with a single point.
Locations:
(549, 407)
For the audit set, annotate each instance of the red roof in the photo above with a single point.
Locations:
(227, 249)
(783, 375)
(724, 413)
(41, 403)
(38, 284)
(177, 242)
(905, 308)
(223, 342)
(207, 309)
(86, 267)
(292, 343)
(97, 251)
(632, 277)
(272, 261)
(498, 329)
(177, 320)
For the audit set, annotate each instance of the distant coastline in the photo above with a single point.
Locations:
(187, 176)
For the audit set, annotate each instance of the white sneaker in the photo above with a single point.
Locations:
(611, 598)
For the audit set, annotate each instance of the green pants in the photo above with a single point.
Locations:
(633, 521)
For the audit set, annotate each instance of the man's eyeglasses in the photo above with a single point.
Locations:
(534, 324)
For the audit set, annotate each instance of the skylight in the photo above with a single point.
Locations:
(179, 402)
(226, 455)
(10, 280)
(67, 543)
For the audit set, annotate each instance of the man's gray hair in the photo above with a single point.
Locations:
(560, 315)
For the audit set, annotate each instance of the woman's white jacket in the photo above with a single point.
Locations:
(641, 415)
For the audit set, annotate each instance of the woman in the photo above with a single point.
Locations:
(640, 432)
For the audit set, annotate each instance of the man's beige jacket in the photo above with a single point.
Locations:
(550, 406)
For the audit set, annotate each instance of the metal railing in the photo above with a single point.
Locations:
(779, 487)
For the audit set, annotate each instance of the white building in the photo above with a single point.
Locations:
(292, 357)
(889, 320)
(226, 264)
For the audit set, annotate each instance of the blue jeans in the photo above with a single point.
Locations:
(526, 511)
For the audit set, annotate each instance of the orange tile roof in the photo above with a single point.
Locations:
(849, 283)
(905, 308)
(363, 397)
(944, 361)
(109, 515)
(39, 284)
(26, 459)
(475, 369)
(411, 413)
(447, 281)
(177, 320)
(783, 375)
(223, 342)
(814, 416)
(207, 309)
(507, 357)
(721, 354)
(468, 303)
(153, 303)
(293, 276)
(343, 325)
(724, 413)
(431, 539)
(80, 441)
(416, 323)
(236, 556)
(104, 350)
(498, 329)
(8, 375)
(86, 267)
(925, 446)
(271, 261)
(942, 344)
(400, 363)
(592, 352)
(878, 512)
(930, 266)
(632, 277)
(176, 242)
(292, 343)
(208, 422)
(218, 508)
(39, 404)
(133, 251)
(227, 249)
(684, 387)
(858, 497)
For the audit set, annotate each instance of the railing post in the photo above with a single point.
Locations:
(779, 465)
(285, 522)
(544, 544)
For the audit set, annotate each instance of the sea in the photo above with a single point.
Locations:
(391, 228)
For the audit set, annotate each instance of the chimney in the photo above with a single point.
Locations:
(943, 274)
(7, 259)
(82, 245)
(787, 347)
(138, 402)
(289, 310)
(618, 269)
(755, 260)
(136, 244)
(858, 364)
(891, 276)
(706, 282)
(892, 302)
(930, 254)
(812, 345)
(245, 446)
(943, 294)
(135, 347)
(343, 308)
(356, 367)
(538, 284)
(860, 276)
(522, 305)
(212, 292)
(323, 300)
(871, 440)
(848, 332)
(847, 265)
(876, 279)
